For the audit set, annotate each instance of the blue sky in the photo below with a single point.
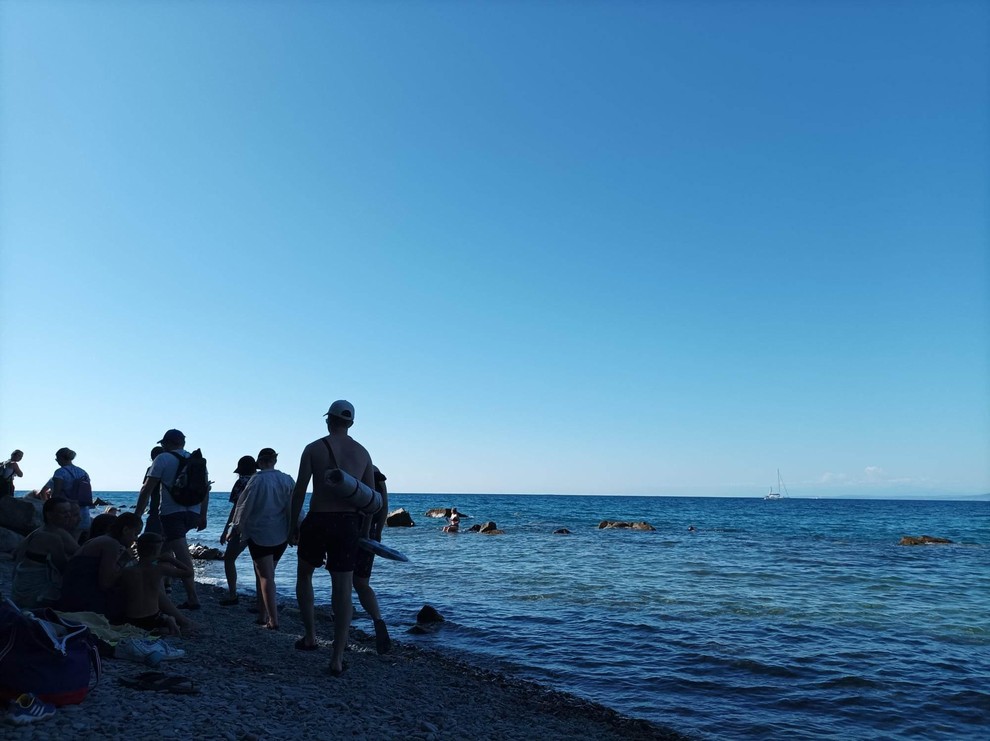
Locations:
(644, 248)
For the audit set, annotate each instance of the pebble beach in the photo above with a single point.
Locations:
(252, 684)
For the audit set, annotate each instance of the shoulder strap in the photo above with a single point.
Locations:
(333, 460)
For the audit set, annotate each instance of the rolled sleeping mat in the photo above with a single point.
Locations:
(356, 493)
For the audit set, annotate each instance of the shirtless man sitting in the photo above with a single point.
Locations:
(330, 532)
(146, 605)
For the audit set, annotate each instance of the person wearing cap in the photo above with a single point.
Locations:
(246, 467)
(65, 483)
(176, 519)
(261, 519)
(330, 532)
(362, 570)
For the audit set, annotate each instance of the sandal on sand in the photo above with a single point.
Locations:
(159, 682)
(228, 601)
(383, 643)
(337, 672)
(301, 645)
(187, 605)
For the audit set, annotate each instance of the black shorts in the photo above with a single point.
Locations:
(151, 623)
(331, 537)
(258, 552)
(177, 524)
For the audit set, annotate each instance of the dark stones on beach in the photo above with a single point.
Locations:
(20, 514)
(562, 531)
(399, 518)
(205, 553)
(621, 525)
(923, 540)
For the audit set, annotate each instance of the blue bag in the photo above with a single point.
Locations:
(46, 655)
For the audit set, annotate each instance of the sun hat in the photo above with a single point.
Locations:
(341, 409)
(246, 465)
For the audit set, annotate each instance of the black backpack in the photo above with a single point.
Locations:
(191, 481)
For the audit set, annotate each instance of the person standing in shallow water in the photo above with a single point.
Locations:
(330, 532)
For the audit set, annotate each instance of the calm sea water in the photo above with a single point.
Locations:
(798, 618)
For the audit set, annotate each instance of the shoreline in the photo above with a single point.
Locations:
(254, 685)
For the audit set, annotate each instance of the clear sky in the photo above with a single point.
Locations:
(549, 247)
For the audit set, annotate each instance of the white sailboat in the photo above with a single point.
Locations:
(781, 489)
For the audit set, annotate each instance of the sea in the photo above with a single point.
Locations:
(796, 618)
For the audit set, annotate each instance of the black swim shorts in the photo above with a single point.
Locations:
(330, 536)
(176, 524)
(258, 552)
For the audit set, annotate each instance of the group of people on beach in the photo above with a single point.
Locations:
(121, 566)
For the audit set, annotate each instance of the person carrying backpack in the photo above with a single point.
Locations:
(8, 471)
(73, 483)
(184, 483)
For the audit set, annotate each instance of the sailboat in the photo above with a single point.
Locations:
(781, 487)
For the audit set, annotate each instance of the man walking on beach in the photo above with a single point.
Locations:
(331, 529)
(176, 519)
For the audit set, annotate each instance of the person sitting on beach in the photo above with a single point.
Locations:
(262, 521)
(246, 467)
(41, 557)
(142, 589)
(331, 529)
(72, 482)
(101, 525)
(8, 471)
(93, 570)
(362, 570)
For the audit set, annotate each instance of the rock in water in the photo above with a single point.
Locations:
(204, 553)
(562, 531)
(428, 614)
(923, 540)
(399, 518)
(620, 525)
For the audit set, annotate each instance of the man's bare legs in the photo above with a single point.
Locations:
(181, 550)
(369, 601)
(342, 582)
(304, 596)
(367, 597)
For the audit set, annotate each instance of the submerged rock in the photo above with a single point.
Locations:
(399, 518)
(562, 531)
(445, 512)
(620, 525)
(922, 540)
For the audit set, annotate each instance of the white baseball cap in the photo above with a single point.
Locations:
(341, 409)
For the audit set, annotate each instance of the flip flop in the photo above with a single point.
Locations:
(301, 646)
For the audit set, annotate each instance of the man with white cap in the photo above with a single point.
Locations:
(176, 519)
(330, 532)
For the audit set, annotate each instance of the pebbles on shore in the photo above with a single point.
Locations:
(254, 685)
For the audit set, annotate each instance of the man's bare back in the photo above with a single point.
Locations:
(350, 456)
